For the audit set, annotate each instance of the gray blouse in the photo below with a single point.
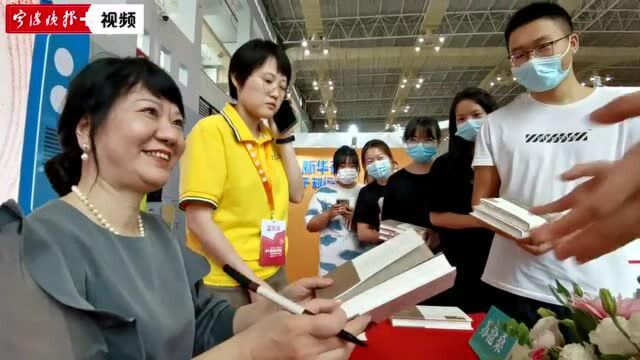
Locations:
(145, 295)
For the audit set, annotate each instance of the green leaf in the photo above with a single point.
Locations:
(523, 334)
(577, 291)
(571, 325)
(585, 323)
(608, 302)
(563, 290)
(558, 297)
(544, 312)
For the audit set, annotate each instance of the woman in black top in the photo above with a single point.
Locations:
(379, 165)
(408, 191)
(465, 245)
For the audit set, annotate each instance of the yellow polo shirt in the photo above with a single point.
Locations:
(216, 168)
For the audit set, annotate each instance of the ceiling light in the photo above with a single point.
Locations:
(315, 88)
(386, 126)
(406, 110)
(322, 111)
(330, 82)
(315, 83)
(421, 80)
(441, 39)
(417, 48)
(437, 48)
(353, 129)
(583, 83)
(402, 86)
(499, 78)
(326, 126)
(393, 110)
(407, 107)
(404, 81)
(608, 78)
(337, 127)
(492, 83)
(593, 78)
(418, 86)
(307, 52)
(421, 39)
(330, 87)
(335, 111)
(304, 43)
(514, 78)
(325, 51)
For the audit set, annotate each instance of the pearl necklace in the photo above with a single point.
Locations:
(99, 216)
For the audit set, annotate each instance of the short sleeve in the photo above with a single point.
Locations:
(367, 210)
(389, 203)
(483, 155)
(315, 208)
(203, 168)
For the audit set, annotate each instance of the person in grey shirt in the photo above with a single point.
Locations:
(117, 284)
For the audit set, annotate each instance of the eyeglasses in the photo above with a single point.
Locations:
(271, 84)
(546, 49)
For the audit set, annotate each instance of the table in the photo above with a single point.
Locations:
(386, 342)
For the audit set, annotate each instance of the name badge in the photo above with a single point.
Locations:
(272, 239)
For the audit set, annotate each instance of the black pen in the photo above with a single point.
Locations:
(285, 303)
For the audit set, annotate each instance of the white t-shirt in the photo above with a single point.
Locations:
(531, 144)
(338, 244)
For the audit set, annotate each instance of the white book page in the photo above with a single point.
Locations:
(510, 230)
(398, 286)
(516, 211)
(443, 313)
(385, 254)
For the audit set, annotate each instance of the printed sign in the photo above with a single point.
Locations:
(489, 342)
(317, 173)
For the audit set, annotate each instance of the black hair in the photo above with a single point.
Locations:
(536, 11)
(374, 144)
(461, 150)
(252, 55)
(426, 123)
(343, 155)
(91, 95)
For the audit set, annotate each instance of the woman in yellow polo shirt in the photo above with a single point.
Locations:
(238, 176)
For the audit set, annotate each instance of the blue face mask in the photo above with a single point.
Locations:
(469, 129)
(541, 74)
(379, 169)
(422, 153)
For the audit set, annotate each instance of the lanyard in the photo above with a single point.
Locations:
(263, 176)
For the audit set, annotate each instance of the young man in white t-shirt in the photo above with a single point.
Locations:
(524, 147)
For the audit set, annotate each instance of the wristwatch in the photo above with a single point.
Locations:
(286, 140)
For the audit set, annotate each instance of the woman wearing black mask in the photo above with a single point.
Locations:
(463, 242)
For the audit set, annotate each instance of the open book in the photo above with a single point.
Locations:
(432, 317)
(391, 228)
(390, 277)
(510, 218)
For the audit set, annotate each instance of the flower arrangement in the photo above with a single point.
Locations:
(598, 328)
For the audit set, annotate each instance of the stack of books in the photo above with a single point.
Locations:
(508, 217)
(392, 228)
(432, 317)
(394, 275)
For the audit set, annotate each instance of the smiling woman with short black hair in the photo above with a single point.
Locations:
(238, 171)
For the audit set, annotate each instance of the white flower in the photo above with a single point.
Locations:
(520, 352)
(610, 340)
(578, 352)
(546, 333)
